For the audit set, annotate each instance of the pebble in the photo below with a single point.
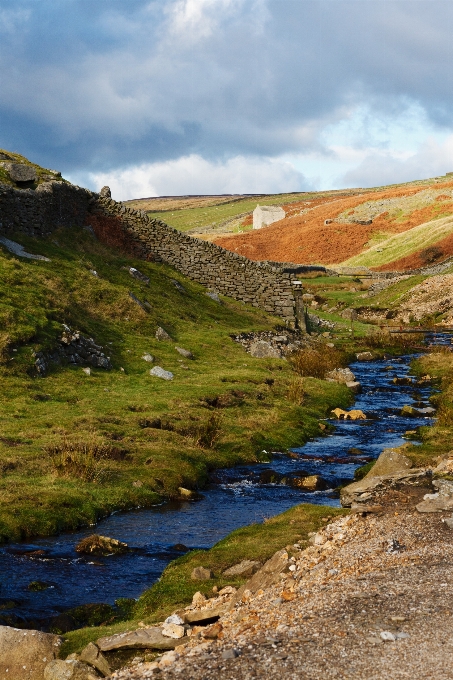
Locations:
(230, 654)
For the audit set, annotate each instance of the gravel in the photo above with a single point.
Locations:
(353, 609)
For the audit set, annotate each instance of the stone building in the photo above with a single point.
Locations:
(267, 214)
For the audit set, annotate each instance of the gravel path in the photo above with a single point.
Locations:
(372, 600)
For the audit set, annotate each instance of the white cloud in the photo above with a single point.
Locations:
(195, 175)
(434, 158)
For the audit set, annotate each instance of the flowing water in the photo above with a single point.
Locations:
(236, 497)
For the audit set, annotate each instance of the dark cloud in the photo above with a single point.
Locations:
(98, 85)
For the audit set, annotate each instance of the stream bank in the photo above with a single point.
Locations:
(237, 498)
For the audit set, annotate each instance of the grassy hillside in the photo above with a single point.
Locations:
(74, 447)
(401, 245)
(43, 174)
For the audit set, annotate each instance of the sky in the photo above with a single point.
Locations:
(173, 97)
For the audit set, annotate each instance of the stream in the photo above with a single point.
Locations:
(236, 497)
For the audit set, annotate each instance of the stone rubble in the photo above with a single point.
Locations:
(74, 348)
(349, 609)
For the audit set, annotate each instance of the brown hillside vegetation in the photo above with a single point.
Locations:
(303, 236)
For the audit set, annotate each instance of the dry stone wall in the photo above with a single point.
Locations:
(261, 284)
(38, 212)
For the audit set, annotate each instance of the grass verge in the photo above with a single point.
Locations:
(175, 588)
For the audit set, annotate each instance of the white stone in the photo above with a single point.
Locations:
(159, 372)
(173, 630)
(148, 357)
(387, 636)
(174, 618)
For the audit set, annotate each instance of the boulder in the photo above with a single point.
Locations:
(412, 412)
(341, 375)
(402, 381)
(19, 172)
(264, 350)
(364, 356)
(105, 192)
(185, 352)
(100, 545)
(390, 461)
(265, 577)
(143, 638)
(71, 669)
(244, 568)
(24, 654)
(92, 655)
(269, 477)
(159, 372)
(354, 414)
(161, 334)
(312, 483)
(148, 357)
(201, 574)
(364, 490)
(439, 501)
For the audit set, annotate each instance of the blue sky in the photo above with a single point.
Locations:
(223, 96)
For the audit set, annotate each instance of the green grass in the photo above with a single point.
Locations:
(110, 408)
(175, 587)
(404, 244)
(43, 174)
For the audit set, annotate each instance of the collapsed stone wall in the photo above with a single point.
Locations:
(260, 284)
(38, 212)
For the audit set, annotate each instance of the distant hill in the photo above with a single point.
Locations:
(397, 227)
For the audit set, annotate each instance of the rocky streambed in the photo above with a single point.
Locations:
(236, 497)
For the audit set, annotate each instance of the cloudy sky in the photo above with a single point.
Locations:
(165, 97)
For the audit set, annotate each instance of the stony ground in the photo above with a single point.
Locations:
(371, 600)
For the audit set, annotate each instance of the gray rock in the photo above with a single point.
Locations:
(162, 334)
(19, 172)
(412, 412)
(201, 574)
(364, 490)
(185, 353)
(264, 350)
(201, 616)
(265, 577)
(341, 375)
(138, 275)
(92, 655)
(143, 638)
(439, 501)
(244, 568)
(105, 192)
(17, 249)
(230, 654)
(213, 295)
(364, 356)
(387, 636)
(390, 461)
(101, 545)
(24, 654)
(148, 357)
(159, 372)
(71, 669)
